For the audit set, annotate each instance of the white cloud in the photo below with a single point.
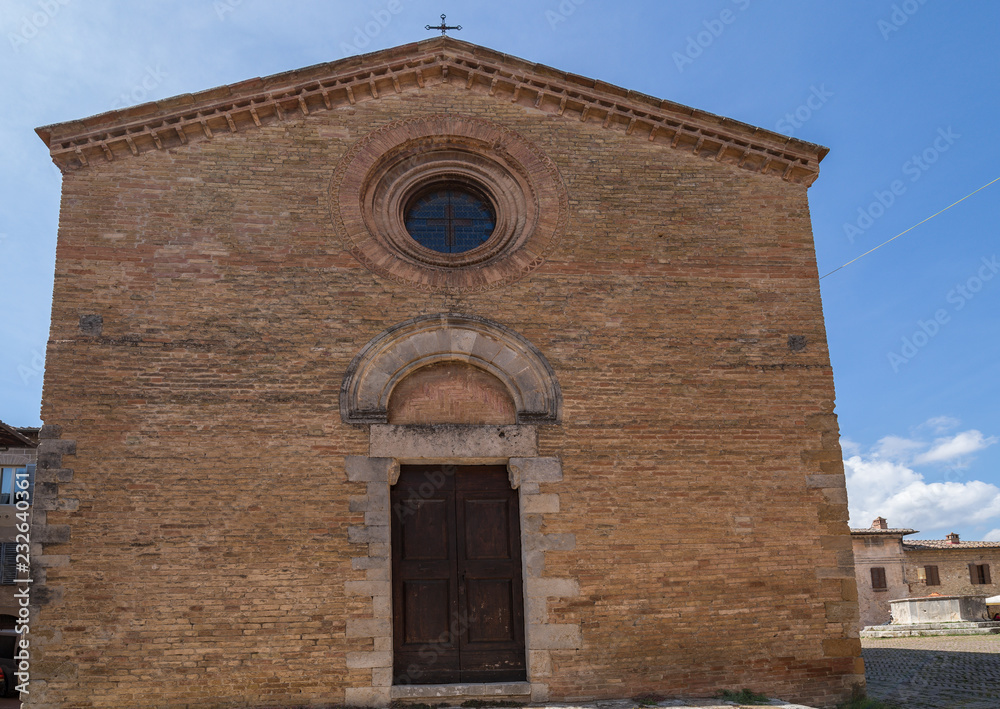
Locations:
(992, 536)
(898, 493)
(882, 482)
(940, 424)
(897, 448)
(961, 444)
(849, 447)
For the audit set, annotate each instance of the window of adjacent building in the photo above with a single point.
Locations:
(878, 578)
(8, 482)
(8, 562)
(931, 576)
(979, 573)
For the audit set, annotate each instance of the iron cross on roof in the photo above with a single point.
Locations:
(443, 27)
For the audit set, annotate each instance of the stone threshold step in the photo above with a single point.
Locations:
(520, 691)
(444, 694)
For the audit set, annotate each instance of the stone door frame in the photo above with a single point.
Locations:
(369, 380)
(514, 446)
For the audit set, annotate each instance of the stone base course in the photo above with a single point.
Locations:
(914, 630)
(608, 704)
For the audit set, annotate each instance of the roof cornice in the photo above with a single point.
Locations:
(900, 531)
(248, 105)
(945, 545)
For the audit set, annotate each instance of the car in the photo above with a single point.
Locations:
(8, 643)
(9, 681)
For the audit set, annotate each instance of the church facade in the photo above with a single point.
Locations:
(430, 375)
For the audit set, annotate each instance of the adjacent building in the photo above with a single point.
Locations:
(18, 459)
(888, 567)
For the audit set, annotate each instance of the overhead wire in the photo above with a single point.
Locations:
(911, 228)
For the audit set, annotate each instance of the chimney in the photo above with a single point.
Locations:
(880, 523)
(953, 538)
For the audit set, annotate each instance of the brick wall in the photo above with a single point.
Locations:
(197, 535)
(451, 392)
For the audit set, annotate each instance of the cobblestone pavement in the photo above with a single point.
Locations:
(671, 703)
(948, 672)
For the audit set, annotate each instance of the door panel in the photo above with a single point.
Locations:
(427, 534)
(457, 592)
(424, 579)
(487, 533)
(490, 605)
(426, 609)
(489, 549)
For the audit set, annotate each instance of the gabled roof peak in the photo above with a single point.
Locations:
(247, 105)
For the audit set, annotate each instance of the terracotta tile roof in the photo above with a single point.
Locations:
(871, 530)
(945, 544)
(14, 438)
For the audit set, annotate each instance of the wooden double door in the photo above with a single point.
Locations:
(458, 602)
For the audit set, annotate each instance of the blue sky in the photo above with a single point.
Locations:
(904, 93)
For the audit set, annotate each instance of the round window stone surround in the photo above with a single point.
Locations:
(383, 171)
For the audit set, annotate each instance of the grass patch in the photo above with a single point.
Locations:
(744, 696)
(647, 700)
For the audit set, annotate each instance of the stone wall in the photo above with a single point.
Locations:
(209, 539)
(953, 571)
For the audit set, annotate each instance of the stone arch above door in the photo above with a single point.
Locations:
(402, 349)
